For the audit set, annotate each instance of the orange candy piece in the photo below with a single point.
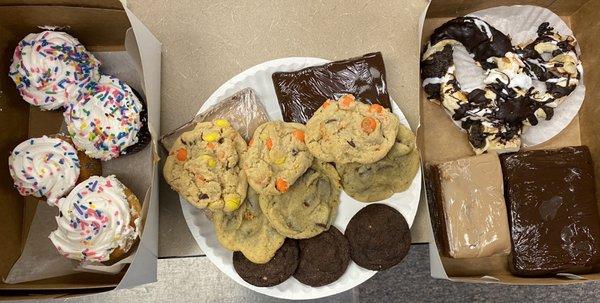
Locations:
(281, 185)
(251, 141)
(210, 145)
(326, 104)
(375, 108)
(368, 125)
(298, 134)
(269, 143)
(181, 154)
(346, 100)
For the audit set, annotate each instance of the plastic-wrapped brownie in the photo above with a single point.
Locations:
(301, 93)
(467, 207)
(243, 110)
(553, 213)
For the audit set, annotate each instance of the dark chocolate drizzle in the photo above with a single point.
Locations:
(510, 109)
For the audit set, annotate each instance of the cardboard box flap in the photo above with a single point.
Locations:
(110, 4)
(586, 26)
(143, 268)
(438, 132)
(100, 26)
(81, 22)
(453, 8)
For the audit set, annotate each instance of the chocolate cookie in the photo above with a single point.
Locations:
(323, 259)
(280, 268)
(379, 237)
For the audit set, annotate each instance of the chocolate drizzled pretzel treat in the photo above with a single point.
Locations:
(495, 117)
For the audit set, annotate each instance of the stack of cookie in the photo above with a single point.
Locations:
(273, 201)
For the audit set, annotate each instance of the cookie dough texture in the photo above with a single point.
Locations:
(247, 230)
(379, 237)
(351, 131)
(277, 156)
(392, 174)
(280, 268)
(309, 207)
(323, 259)
(203, 166)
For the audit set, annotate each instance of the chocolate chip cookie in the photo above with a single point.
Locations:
(392, 174)
(351, 131)
(247, 230)
(379, 237)
(204, 166)
(309, 206)
(277, 156)
(280, 268)
(323, 258)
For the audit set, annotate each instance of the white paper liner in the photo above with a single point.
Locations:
(40, 259)
(521, 22)
(259, 78)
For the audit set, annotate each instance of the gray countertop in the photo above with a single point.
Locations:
(196, 279)
(184, 274)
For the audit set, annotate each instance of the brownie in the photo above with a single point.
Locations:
(280, 268)
(379, 237)
(553, 215)
(301, 93)
(467, 207)
(323, 258)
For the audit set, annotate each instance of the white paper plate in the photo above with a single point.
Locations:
(259, 78)
(520, 22)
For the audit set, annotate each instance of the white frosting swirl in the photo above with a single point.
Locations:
(106, 120)
(44, 167)
(94, 220)
(51, 68)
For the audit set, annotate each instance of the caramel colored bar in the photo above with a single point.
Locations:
(468, 207)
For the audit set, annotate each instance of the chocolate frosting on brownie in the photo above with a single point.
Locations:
(301, 93)
(553, 212)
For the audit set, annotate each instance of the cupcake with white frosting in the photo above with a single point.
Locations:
(51, 69)
(49, 167)
(99, 221)
(109, 120)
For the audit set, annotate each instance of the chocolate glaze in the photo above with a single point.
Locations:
(553, 212)
(476, 41)
(301, 93)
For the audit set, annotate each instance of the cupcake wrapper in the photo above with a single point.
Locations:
(144, 136)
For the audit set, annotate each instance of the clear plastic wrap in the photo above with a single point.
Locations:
(468, 207)
(301, 93)
(243, 109)
(555, 226)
